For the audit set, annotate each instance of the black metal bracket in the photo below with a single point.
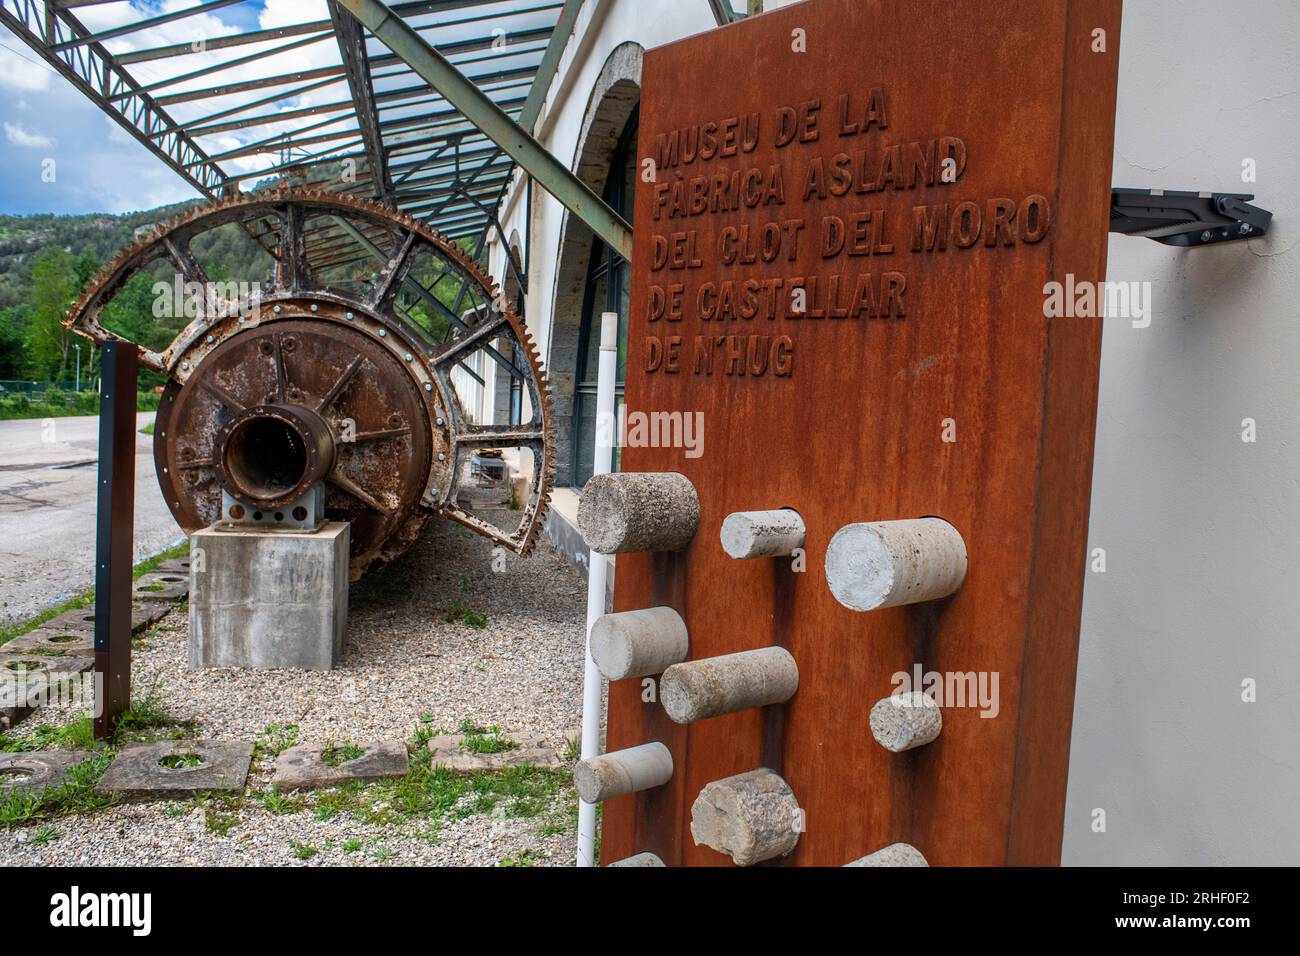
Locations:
(1179, 218)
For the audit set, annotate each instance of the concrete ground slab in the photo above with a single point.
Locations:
(144, 614)
(137, 773)
(169, 586)
(53, 642)
(174, 566)
(47, 769)
(447, 750)
(26, 679)
(304, 767)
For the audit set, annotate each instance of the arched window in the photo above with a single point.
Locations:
(607, 290)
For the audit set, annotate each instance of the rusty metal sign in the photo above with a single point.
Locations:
(848, 217)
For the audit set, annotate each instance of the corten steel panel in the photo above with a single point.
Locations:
(854, 431)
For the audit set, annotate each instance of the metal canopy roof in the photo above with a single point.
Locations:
(318, 100)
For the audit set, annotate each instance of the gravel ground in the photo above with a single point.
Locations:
(405, 667)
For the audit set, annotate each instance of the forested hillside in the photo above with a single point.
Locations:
(46, 261)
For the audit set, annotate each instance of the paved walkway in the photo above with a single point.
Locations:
(47, 509)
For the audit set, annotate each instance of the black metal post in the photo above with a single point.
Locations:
(114, 534)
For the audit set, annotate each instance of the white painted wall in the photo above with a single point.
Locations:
(1202, 587)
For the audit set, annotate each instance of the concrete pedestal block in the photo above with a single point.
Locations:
(269, 598)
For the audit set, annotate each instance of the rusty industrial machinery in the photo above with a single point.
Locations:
(333, 390)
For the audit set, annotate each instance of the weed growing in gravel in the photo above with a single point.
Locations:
(219, 811)
(352, 844)
(525, 858)
(335, 755)
(77, 795)
(274, 740)
(45, 834)
(280, 804)
(303, 851)
(462, 611)
(146, 720)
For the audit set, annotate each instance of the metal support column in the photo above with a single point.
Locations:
(114, 534)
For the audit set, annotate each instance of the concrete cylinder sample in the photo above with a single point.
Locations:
(638, 511)
(713, 686)
(896, 854)
(638, 643)
(622, 772)
(751, 817)
(888, 563)
(762, 534)
(902, 721)
(639, 859)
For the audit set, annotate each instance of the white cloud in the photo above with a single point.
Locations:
(20, 69)
(21, 137)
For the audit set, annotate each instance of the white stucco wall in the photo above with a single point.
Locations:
(1202, 587)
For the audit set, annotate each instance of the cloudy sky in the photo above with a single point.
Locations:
(98, 166)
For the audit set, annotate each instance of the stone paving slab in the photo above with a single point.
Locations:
(137, 774)
(447, 750)
(144, 614)
(25, 675)
(161, 586)
(304, 768)
(174, 566)
(38, 771)
(53, 642)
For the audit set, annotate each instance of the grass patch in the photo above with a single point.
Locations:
(76, 796)
(303, 851)
(181, 761)
(484, 740)
(147, 430)
(77, 735)
(335, 755)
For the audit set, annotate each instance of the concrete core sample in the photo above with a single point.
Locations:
(622, 772)
(713, 686)
(638, 511)
(638, 643)
(896, 854)
(902, 721)
(888, 563)
(762, 534)
(751, 817)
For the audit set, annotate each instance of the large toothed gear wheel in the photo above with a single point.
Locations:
(345, 368)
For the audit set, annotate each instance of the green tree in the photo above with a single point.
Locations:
(13, 327)
(53, 289)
